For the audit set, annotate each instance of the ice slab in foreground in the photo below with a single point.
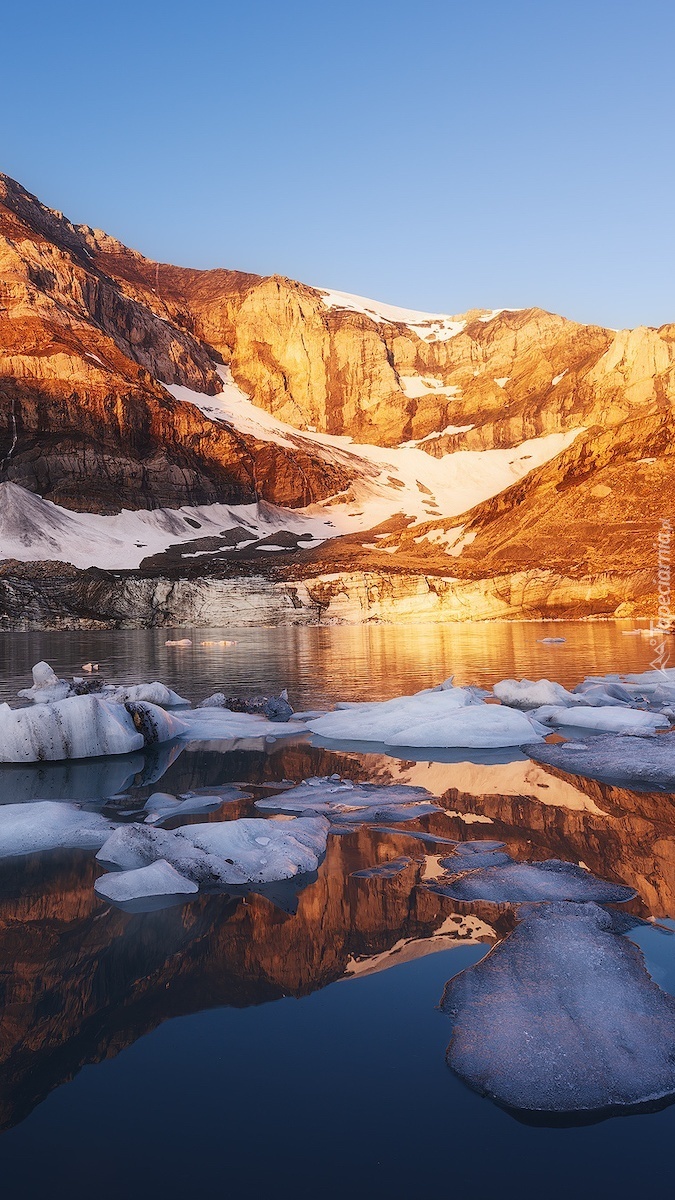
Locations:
(590, 1031)
(343, 801)
(248, 850)
(157, 879)
(82, 727)
(49, 825)
(640, 762)
(442, 719)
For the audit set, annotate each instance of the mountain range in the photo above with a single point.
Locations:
(219, 447)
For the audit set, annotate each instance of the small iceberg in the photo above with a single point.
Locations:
(81, 727)
(159, 879)
(160, 806)
(604, 720)
(492, 875)
(343, 801)
(50, 825)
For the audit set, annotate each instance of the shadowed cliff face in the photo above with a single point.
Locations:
(81, 981)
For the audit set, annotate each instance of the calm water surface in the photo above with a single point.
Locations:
(291, 1045)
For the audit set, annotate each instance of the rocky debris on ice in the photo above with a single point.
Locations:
(455, 717)
(274, 708)
(229, 853)
(50, 825)
(345, 802)
(637, 762)
(160, 806)
(591, 1031)
(81, 727)
(158, 879)
(476, 875)
(604, 720)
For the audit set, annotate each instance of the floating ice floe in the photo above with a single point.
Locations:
(526, 693)
(81, 727)
(160, 806)
(605, 720)
(49, 825)
(442, 719)
(232, 853)
(345, 802)
(638, 762)
(476, 873)
(157, 879)
(591, 1031)
(47, 688)
(219, 724)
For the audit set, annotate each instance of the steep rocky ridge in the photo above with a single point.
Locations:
(92, 336)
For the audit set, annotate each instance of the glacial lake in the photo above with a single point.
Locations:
(291, 1044)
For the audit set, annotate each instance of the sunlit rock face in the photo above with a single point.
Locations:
(267, 375)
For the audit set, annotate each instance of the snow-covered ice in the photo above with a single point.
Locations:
(159, 878)
(50, 825)
(441, 719)
(343, 801)
(248, 850)
(160, 806)
(605, 719)
(526, 693)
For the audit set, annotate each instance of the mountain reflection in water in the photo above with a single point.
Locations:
(81, 980)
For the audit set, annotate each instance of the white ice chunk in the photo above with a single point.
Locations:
(456, 717)
(47, 687)
(153, 693)
(227, 853)
(49, 825)
(341, 800)
(157, 879)
(525, 693)
(607, 720)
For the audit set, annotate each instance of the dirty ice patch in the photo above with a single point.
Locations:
(81, 727)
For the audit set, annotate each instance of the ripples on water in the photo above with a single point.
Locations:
(291, 1045)
(320, 665)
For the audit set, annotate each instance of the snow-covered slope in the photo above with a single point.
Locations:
(385, 482)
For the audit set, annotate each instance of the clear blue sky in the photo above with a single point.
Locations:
(440, 155)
